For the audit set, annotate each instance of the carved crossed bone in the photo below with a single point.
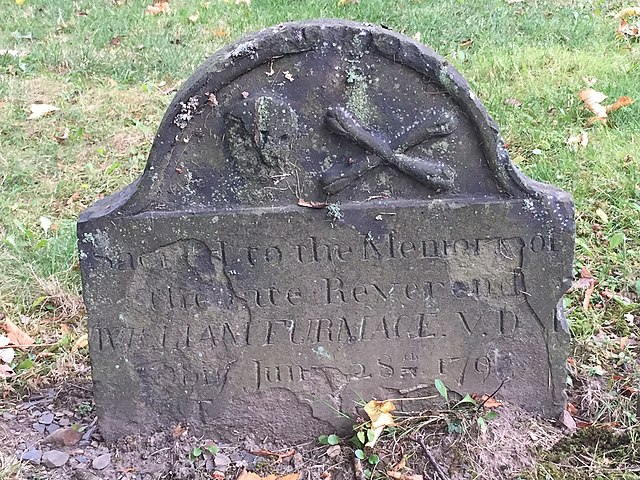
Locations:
(428, 172)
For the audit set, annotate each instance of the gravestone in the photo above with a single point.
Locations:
(328, 215)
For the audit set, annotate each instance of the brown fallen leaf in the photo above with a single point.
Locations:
(40, 110)
(221, 32)
(64, 436)
(311, 204)
(572, 409)
(268, 453)
(380, 414)
(588, 282)
(487, 401)
(290, 476)
(6, 371)
(620, 103)
(159, 6)
(179, 430)
(247, 475)
(513, 102)
(16, 335)
(404, 476)
(593, 101)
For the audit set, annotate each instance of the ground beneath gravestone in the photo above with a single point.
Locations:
(55, 436)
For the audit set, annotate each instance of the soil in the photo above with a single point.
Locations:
(507, 447)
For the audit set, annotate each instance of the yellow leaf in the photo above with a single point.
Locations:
(20, 2)
(159, 6)
(82, 342)
(625, 12)
(380, 415)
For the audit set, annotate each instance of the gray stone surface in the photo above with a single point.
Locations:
(218, 296)
(101, 462)
(54, 458)
(32, 456)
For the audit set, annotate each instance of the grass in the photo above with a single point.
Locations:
(108, 67)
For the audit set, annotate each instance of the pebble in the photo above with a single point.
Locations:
(32, 456)
(101, 462)
(8, 416)
(221, 460)
(52, 428)
(39, 427)
(81, 459)
(84, 474)
(64, 422)
(46, 418)
(54, 458)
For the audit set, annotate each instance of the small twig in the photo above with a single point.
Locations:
(441, 474)
(492, 395)
(33, 345)
(357, 467)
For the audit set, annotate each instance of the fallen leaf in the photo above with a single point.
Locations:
(268, 453)
(466, 43)
(211, 99)
(13, 53)
(380, 414)
(620, 103)
(290, 476)
(194, 18)
(487, 401)
(332, 452)
(625, 28)
(16, 335)
(64, 436)
(217, 475)
(628, 12)
(64, 137)
(245, 2)
(513, 102)
(5, 371)
(179, 430)
(220, 32)
(603, 215)
(566, 420)
(7, 354)
(40, 110)
(404, 476)
(311, 204)
(246, 475)
(572, 409)
(586, 281)
(159, 6)
(582, 140)
(82, 342)
(20, 2)
(593, 101)
(582, 424)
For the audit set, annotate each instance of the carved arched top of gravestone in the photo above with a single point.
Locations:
(326, 111)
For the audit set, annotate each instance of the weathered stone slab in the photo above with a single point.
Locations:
(215, 298)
